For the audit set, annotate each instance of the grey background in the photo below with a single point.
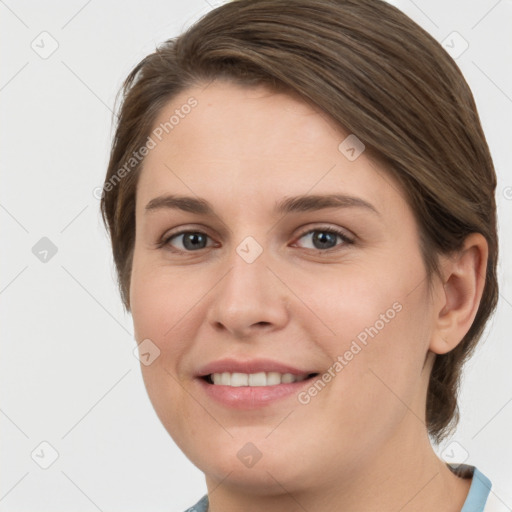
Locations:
(68, 375)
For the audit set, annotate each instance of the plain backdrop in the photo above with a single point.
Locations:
(69, 378)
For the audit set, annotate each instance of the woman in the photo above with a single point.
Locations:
(301, 205)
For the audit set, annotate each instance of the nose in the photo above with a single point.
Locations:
(249, 299)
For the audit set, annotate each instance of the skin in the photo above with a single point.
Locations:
(243, 149)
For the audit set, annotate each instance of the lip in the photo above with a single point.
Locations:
(250, 366)
(251, 397)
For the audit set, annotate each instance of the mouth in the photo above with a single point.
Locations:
(252, 383)
(259, 379)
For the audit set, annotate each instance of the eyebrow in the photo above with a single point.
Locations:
(301, 203)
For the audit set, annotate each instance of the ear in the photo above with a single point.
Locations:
(459, 293)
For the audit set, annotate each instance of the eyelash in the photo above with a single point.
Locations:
(346, 240)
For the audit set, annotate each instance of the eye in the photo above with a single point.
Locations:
(190, 241)
(325, 238)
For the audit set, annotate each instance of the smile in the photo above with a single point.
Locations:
(251, 383)
(259, 379)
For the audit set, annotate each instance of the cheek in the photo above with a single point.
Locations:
(385, 377)
(158, 312)
(158, 302)
(356, 305)
(380, 332)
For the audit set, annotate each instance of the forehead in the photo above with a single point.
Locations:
(233, 142)
(245, 122)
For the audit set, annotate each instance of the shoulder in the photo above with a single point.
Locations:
(200, 506)
(483, 495)
(493, 498)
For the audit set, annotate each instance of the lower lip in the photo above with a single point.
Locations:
(252, 397)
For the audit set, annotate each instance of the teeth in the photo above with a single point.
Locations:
(255, 379)
(239, 379)
(273, 378)
(287, 378)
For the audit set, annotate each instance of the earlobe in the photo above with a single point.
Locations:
(461, 292)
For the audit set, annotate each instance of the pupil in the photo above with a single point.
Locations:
(321, 238)
(193, 238)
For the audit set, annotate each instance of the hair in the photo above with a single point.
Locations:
(380, 76)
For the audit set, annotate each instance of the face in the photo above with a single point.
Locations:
(331, 291)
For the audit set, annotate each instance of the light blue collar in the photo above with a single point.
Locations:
(479, 490)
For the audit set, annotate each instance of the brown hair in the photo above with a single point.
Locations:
(376, 73)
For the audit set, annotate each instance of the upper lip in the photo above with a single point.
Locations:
(249, 366)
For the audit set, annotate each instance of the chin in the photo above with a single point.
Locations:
(259, 467)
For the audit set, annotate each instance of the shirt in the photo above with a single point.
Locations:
(479, 498)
